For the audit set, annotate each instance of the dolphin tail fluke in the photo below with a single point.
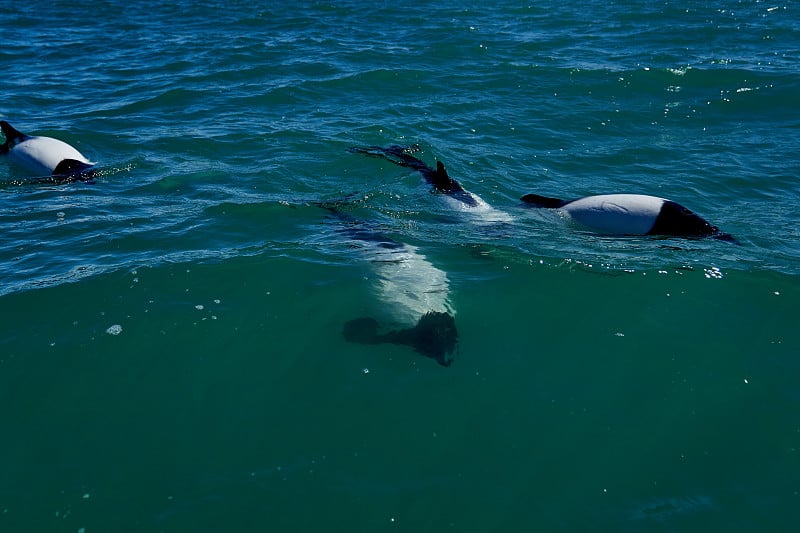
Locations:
(543, 201)
(435, 335)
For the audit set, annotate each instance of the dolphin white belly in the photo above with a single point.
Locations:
(407, 283)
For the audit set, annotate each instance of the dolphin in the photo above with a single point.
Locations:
(44, 156)
(414, 294)
(630, 214)
(456, 197)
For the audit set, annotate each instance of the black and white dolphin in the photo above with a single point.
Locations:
(631, 214)
(44, 156)
(414, 294)
(450, 190)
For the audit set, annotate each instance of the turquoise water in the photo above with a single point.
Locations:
(171, 356)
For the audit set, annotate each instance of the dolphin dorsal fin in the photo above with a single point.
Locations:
(440, 178)
(12, 136)
(442, 181)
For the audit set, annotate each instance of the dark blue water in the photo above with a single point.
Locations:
(171, 350)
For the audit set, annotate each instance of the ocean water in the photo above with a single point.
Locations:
(171, 349)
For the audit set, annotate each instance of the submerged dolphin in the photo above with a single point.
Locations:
(44, 156)
(455, 195)
(631, 214)
(414, 294)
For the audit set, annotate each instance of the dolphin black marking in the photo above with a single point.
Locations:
(73, 167)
